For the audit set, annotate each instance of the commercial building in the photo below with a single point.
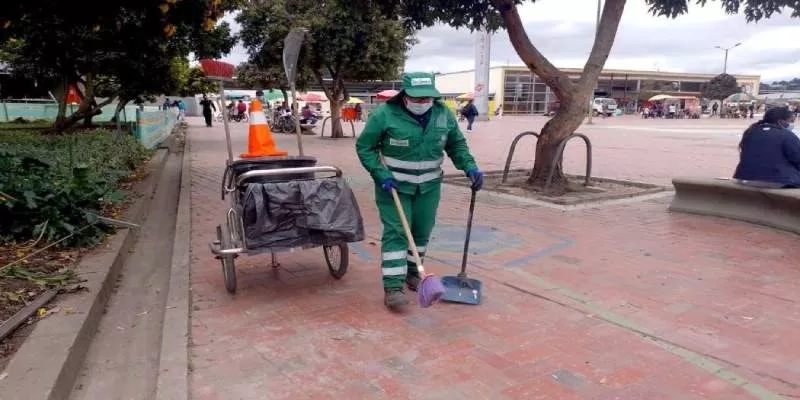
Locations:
(521, 92)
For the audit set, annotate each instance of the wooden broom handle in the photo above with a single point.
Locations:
(407, 230)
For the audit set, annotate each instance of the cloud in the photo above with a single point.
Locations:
(563, 30)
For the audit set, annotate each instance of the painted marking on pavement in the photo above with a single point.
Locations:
(485, 240)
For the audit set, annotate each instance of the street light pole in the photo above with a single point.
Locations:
(726, 49)
(596, 29)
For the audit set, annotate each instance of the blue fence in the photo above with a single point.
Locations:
(152, 127)
(10, 111)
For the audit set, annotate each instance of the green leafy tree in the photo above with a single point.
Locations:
(197, 83)
(346, 41)
(130, 44)
(270, 76)
(720, 87)
(572, 95)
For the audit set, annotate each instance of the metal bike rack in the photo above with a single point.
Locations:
(325, 121)
(560, 156)
(513, 149)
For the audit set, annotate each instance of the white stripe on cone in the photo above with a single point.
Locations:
(258, 118)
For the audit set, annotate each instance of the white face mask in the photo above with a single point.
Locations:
(418, 108)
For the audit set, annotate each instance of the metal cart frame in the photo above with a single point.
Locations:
(232, 240)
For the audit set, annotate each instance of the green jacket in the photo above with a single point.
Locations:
(413, 156)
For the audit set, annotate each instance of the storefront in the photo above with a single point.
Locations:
(522, 93)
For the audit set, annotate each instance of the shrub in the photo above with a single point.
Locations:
(51, 186)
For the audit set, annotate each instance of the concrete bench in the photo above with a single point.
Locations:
(726, 198)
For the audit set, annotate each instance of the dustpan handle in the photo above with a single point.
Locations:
(469, 233)
(407, 230)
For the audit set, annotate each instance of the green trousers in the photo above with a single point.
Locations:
(397, 260)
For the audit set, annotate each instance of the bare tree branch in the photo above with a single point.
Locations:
(321, 81)
(607, 32)
(559, 82)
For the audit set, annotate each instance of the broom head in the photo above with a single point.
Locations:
(430, 290)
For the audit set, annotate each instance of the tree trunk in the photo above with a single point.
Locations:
(573, 96)
(122, 103)
(568, 118)
(61, 117)
(336, 119)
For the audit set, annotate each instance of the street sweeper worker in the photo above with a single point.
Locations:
(402, 146)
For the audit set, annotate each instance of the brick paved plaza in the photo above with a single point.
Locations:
(616, 302)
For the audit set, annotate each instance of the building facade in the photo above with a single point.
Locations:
(521, 92)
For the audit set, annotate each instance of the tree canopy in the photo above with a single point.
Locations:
(347, 41)
(131, 44)
(720, 87)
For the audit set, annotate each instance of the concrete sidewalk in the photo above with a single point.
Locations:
(618, 302)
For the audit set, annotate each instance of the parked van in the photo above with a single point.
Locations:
(609, 103)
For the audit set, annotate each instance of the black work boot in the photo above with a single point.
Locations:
(412, 281)
(394, 298)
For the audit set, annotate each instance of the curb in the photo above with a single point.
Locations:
(47, 364)
(173, 370)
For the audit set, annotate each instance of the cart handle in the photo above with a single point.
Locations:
(287, 171)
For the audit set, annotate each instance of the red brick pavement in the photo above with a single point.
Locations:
(618, 302)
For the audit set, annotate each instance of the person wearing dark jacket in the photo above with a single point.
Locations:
(207, 106)
(769, 152)
(470, 112)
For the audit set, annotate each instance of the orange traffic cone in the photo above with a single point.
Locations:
(260, 142)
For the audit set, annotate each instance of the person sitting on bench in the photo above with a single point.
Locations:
(308, 116)
(769, 152)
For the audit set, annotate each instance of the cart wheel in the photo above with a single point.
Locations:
(228, 265)
(337, 257)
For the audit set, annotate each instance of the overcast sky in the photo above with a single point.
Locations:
(563, 31)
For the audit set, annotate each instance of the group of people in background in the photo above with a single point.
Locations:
(179, 104)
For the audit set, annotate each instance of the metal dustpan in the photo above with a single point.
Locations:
(460, 288)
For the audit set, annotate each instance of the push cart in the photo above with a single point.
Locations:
(280, 204)
(235, 236)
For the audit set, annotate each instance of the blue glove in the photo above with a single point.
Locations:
(476, 176)
(388, 184)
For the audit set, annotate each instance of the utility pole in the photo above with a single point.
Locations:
(596, 30)
(726, 49)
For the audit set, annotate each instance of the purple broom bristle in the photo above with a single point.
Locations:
(430, 290)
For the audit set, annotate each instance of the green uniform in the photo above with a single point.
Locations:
(413, 151)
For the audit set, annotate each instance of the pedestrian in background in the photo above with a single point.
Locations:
(207, 106)
(181, 110)
(470, 112)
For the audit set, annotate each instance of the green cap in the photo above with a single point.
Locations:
(420, 84)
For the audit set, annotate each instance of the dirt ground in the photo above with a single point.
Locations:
(575, 192)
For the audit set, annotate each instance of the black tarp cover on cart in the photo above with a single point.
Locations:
(301, 212)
